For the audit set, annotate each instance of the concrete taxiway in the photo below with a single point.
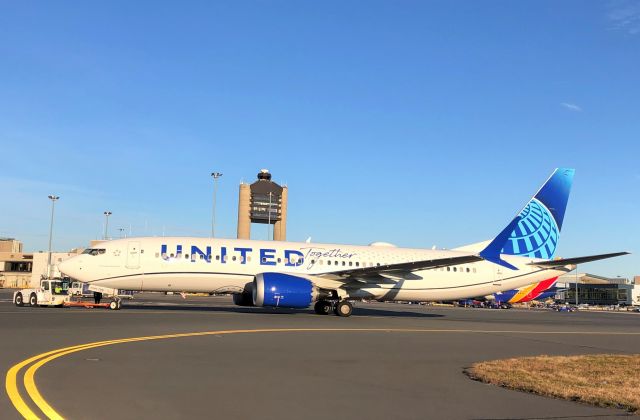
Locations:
(386, 361)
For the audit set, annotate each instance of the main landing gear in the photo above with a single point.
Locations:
(341, 308)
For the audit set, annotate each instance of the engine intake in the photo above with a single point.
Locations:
(283, 290)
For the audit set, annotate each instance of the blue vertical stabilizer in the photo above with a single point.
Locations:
(535, 231)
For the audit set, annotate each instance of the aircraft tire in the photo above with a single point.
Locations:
(33, 300)
(19, 300)
(113, 305)
(344, 308)
(322, 307)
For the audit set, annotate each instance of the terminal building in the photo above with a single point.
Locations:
(597, 290)
(20, 269)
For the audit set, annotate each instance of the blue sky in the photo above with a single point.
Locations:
(418, 123)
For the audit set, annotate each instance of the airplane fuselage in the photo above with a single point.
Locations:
(187, 264)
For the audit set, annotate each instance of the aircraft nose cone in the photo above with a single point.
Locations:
(69, 268)
(64, 267)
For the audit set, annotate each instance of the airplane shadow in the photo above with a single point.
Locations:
(357, 311)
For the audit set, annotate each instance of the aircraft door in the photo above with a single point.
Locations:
(133, 255)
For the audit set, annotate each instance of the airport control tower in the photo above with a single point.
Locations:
(264, 202)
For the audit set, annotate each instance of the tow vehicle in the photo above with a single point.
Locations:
(55, 292)
(52, 292)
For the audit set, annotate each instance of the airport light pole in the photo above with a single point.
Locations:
(576, 284)
(215, 176)
(106, 223)
(121, 230)
(53, 199)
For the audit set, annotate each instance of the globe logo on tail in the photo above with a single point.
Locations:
(536, 234)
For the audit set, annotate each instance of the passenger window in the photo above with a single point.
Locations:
(329, 262)
(157, 254)
(172, 255)
(233, 258)
(474, 270)
(344, 263)
(217, 257)
(350, 263)
(279, 260)
(313, 261)
(455, 269)
(264, 259)
(225, 258)
(468, 269)
(448, 268)
(249, 258)
(186, 256)
(357, 264)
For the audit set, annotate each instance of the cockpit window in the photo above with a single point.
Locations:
(94, 251)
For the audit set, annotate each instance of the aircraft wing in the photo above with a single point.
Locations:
(577, 260)
(405, 267)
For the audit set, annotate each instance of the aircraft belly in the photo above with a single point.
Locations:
(197, 282)
(181, 282)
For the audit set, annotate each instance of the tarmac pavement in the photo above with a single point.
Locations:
(386, 361)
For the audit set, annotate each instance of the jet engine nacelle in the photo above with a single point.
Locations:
(277, 289)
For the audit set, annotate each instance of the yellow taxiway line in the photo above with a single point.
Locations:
(36, 362)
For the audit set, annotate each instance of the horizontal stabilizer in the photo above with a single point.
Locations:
(578, 260)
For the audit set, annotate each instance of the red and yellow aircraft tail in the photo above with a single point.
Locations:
(525, 294)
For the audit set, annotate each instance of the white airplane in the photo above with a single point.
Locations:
(298, 274)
